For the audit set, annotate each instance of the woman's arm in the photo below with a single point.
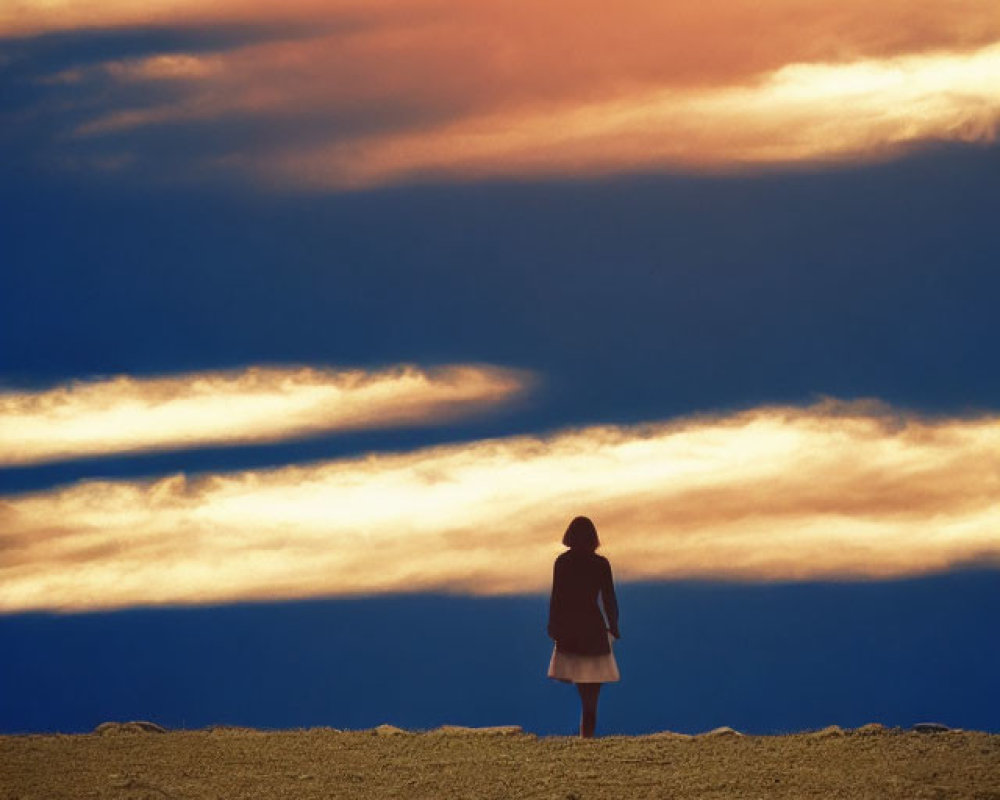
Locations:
(609, 600)
(555, 610)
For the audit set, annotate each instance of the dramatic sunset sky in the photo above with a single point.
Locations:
(320, 320)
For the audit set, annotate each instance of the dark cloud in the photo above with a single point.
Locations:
(70, 104)
(32, 56)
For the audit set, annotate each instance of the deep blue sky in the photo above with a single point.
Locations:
(634, 298)
(763, 659)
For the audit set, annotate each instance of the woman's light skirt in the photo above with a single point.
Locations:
(574, 668)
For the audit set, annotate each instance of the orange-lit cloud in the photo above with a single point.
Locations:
(26, 17)
(774, 493)
(254, 405)
(802, 112)
(399, 90)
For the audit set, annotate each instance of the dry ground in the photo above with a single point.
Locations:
(323, 763)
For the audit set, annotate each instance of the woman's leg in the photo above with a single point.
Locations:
(588, 700)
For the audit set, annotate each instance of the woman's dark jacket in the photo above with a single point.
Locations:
(575, 621)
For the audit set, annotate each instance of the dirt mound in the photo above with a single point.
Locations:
(672, 736)
(316, 764)
(830, 731)
(232, 730)
(871, 729)
(494, 730)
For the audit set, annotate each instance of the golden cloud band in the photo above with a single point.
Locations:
(239, 407)
(795, 114)
(828, 491)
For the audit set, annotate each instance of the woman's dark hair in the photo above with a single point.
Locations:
(581, 533)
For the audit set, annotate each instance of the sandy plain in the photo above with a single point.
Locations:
(238, 763)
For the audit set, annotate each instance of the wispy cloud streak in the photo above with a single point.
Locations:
(797, 113)
(827, 491)
(260, 404)
(404, 90)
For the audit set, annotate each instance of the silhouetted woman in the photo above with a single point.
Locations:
(582, 653)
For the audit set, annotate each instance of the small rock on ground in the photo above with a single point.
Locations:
(136, 726)
(724, 730)
(931, 727)
(387, 730)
